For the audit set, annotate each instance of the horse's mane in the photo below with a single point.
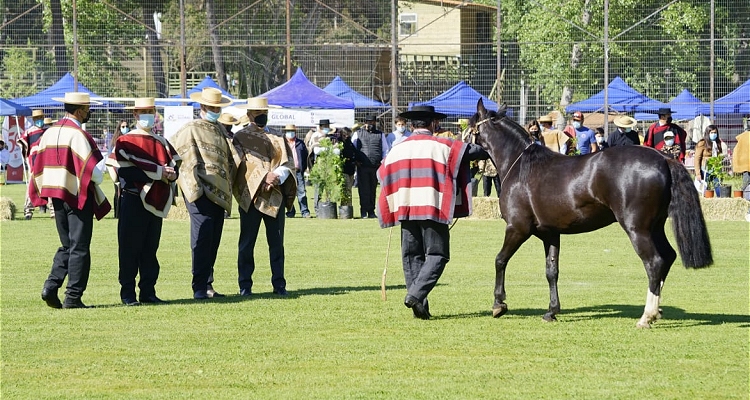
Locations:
(535, 157)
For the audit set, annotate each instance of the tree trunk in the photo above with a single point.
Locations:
(215, 45)
(57, 39)
(575, 57)
(154, 51)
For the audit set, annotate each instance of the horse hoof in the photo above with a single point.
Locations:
(643, 325)
(549, 318)
(499, 311)
(659, 315)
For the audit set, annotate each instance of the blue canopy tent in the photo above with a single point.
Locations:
(340, 89)
(736, 102)
(621, 98)
(8, 107)
(299, 92)
(44, 100)
(684, 106)
(458, 101)
(207, 82)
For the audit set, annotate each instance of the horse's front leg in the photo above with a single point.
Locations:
(552, 253)
(513, 240)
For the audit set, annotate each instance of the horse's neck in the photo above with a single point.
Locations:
(505, 154)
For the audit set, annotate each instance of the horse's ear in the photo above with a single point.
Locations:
(480, 107)
(502, 108)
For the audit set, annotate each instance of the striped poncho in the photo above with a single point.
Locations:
(64, 167)
(149, 153)
(423, 178)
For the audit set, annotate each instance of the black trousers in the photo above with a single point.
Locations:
(249, 227)
(73, 258)
(367, 183)
(138, 235)
(425, 250)
(487, 184)
(206, 225)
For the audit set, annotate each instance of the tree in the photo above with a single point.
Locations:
(57, 38)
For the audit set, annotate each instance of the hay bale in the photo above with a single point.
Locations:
(7, 209)
(178, 211)
(485, 208)
(725, 209)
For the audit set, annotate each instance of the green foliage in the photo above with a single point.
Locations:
(715, 168)
(19, 67)
(328, 172)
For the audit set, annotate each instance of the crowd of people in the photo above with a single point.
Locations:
(218, 157)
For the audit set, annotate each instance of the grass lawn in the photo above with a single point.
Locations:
(333, 337)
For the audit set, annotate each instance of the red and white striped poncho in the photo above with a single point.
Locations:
(423, 178)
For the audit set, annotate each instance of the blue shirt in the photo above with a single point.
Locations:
(585, 138)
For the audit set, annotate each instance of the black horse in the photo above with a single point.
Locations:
(546, 194)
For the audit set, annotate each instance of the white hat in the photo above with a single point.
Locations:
(211, 97)
(256, 103)
(78, 98)
(623, 121)
(143, 103)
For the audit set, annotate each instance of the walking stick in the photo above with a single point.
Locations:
(385, 270)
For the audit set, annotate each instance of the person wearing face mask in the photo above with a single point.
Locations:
(710, 145)
(299, 153)
(585, 141)
(601, 144)
(368, 141)
(228, 121)
(64, 169)
(399, 134)
(265, 187)
(208, 170)
(554, 139)
(624, 134)
(145, 165)
(670, 147)
(29, 140)
(655, 133)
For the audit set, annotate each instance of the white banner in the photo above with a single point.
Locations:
(309, 117)
(175, 117)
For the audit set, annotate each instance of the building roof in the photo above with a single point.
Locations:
(455, 3)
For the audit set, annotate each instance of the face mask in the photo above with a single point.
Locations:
(212, 116)
(290, 135)
(713, 136)
(669, 142)
(628, 130)
(146, 120)
(576, 124)
(39, 123)
(669, 120)
(599, 139)
(401, 129)
(86, 119)
(124, 130)
(326, 131)
(261, 120)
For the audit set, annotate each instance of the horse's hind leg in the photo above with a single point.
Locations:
(513, 240)
(657, 256)
(552, 252)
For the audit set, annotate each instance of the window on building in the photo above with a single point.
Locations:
(407, 24)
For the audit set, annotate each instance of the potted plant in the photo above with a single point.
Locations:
(327, 175)
(715, 171)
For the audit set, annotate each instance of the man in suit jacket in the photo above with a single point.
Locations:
(264, 187)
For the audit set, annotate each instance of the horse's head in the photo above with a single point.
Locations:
(483, 116)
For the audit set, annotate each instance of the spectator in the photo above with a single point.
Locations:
(299, 153)
(601, 144)
(535, 130)
(349, 154)
(368, 141)
(655, 134)
(624, 135)
(741, 158)
(29, 142)
(399, 134)
(669, 147)
(489, 176)
(440, 130)
(228, 121)
(708, 146)
(585, 142)
(554, 139)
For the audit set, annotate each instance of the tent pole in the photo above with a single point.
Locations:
(606, 68)
(394, 60)
(75, 47)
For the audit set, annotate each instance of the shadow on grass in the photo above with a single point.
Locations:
(673, 317)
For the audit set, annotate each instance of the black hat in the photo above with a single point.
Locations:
(324, 122)
(422, 113)
(664, 111)
(371, 118)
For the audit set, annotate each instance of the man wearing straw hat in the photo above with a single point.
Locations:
(207, 172)
(264, 188)
(64, 169)
(144, 165)
(29, 142)
(624, 135)
(554, 139)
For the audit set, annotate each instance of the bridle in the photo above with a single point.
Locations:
(475, 132)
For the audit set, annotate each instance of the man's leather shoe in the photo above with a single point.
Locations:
(50, 297)
(130, 302)
(246, 292)
(77, 303)
(200, 295)
(152, 300)
(417, 307)
(280, 291)
(213, 294)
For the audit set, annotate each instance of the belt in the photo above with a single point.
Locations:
(131, 191)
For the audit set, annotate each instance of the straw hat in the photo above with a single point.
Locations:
(290, 127)
(77, 98)
(227, 119)
(143, 103)
(623, 121)
(48, 121)
(211, 97)
(256, 103)
(37, 114)
(243, 121)
(545, 118)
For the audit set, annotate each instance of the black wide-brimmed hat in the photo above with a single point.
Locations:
(422, 113)
(664, 111)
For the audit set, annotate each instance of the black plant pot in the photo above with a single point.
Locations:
(346, 212)
(724, 191)
(327, 210)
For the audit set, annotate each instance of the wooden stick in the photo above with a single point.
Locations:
(385, 270)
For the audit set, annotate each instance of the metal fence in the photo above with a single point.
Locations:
(552, 53)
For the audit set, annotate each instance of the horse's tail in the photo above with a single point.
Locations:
(687, 219)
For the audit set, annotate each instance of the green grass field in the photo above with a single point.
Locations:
(333, 337)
